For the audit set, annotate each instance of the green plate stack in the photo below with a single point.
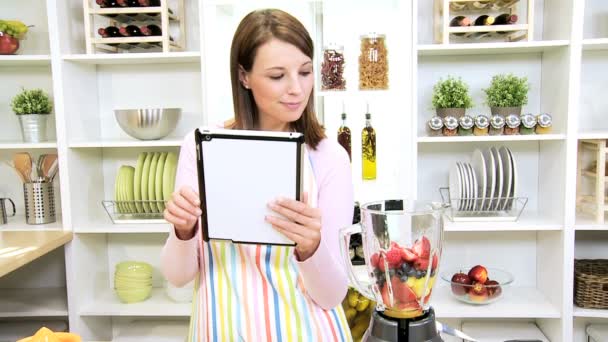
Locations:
(133, 281)
(147, 186)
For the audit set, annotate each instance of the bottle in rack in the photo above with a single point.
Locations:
(109, 32)
(344, 135)
(130, 31)
(506, 19)
(128, 3)
(368, 148)
(148, 3)
(151, 30)
(460, 21)
(480, 4)
(482, 20)
(107, 3)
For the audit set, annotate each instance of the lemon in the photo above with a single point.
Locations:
(363, 304)
(350, 314)
(353, 299)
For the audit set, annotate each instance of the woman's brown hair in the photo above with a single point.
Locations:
(256, 29)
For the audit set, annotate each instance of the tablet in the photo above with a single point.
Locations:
(239, 173)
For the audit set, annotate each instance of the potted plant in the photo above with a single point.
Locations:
(33, 108)
(11, 32)
(451, 97)
(507, 94)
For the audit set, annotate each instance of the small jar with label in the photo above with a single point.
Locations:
(497, 125)
(482, 125)
(528, 124)
(544, 123)
(466, 125)
(332, 68)
(450, 126)
(512, 124)
(434, 126)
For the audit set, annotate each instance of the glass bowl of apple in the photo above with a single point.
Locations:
(477, 284)
(11, 33)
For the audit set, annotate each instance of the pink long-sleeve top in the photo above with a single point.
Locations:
(255, 292)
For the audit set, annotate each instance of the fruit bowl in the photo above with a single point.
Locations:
(477, 285)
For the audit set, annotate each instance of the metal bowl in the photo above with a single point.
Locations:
(148, 124)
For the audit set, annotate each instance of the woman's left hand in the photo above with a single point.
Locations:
(304, 228)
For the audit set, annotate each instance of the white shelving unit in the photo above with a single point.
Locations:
(566, 63)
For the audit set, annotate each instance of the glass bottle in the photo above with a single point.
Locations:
(512, 124)
(368, 148)
(450, 126)
(544, 123)
(434, 126)
(466, 125)
(482, 124)
(344, 135)
(373, 63)
(528, 123)
(332, 68)
(497, 125)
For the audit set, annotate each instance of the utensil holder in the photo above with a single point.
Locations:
(39, 202)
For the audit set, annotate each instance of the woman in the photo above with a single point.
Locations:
(268, 293)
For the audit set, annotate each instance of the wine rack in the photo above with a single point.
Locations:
(445, 10)
(161, 15)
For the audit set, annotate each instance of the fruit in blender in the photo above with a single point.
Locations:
(408, 255)
(479, 274)
(422, 248)
(460, 283)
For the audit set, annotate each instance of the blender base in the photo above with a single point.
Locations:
(388, 329)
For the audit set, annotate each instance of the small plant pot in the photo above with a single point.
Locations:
(33, 127)
(504, 111)
(8, 44)
(455, 112)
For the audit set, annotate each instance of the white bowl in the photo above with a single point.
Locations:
(180, 294)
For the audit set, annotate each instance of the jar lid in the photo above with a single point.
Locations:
(482, 121)
(544, 120)
(528, 120)
(497, 121)
(466, 122)
(512, 120)
(450, 122)
(435, 123)
(333, 46)
(373, 35)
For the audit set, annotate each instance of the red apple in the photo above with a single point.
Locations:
(479, 274)
(478, 293)
(460, 283)
(8, 44)
(493, 287)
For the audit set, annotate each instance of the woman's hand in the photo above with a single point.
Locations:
(305, 230)
(183, 211)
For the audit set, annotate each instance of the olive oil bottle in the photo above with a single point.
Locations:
(368, 148)
(344, 135)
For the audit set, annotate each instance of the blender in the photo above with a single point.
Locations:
(402, 242)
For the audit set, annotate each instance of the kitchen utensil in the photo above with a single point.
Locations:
(499, 178)
(152, 182)
(48, 162)
(137, 181)
(23, 164)
(39, 202)
(514, 177)
(148, 124)
(474, 187)
(160, 168)
(479, 167)
(455, 190)
(508, 177)
(3, 213)
(454, 332)
(39, 163)
(488, 158)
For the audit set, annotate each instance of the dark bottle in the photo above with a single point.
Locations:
(506, 19)
(344, 136)
(146, 3)
(130, 31)
(107, 3)
(109, 32)
(484, 20)
(151, 30)
(460, 21)
(128, 3)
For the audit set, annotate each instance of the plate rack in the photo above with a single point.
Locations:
(503, 208)
(161, 15)
(445, 10)
(125, 212)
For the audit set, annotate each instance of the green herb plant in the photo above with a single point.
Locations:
(507, 90)
(451, 93)
(34, 101)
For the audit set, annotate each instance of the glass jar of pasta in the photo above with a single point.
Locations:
(373, 63)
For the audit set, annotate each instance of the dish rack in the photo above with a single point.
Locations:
(161, 15)
(126, 212)
(510, 211)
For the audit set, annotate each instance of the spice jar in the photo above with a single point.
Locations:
(450, 126)
(497, 125)
(482, 125)
(466, 125)
(434, 126)
(528, 123)
(373, 62)
(544, 123)
(332, 68)
(512, 124)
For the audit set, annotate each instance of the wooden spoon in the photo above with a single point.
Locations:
(47, 165)
(23, 164)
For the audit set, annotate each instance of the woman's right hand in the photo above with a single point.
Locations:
(183, 211)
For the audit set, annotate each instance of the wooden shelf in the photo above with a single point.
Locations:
(40, 302)
(170, 142)
(135, 58)
(25, 60)
(7, 145)
(473, 138)
(464, 49)
(595, 44)
(158, 305)
(121, 14)
(517, 302)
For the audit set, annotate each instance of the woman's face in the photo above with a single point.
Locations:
(281, 82)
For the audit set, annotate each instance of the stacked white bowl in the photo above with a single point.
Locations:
(133, 281)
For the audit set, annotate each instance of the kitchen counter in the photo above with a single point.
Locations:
(18, 248)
